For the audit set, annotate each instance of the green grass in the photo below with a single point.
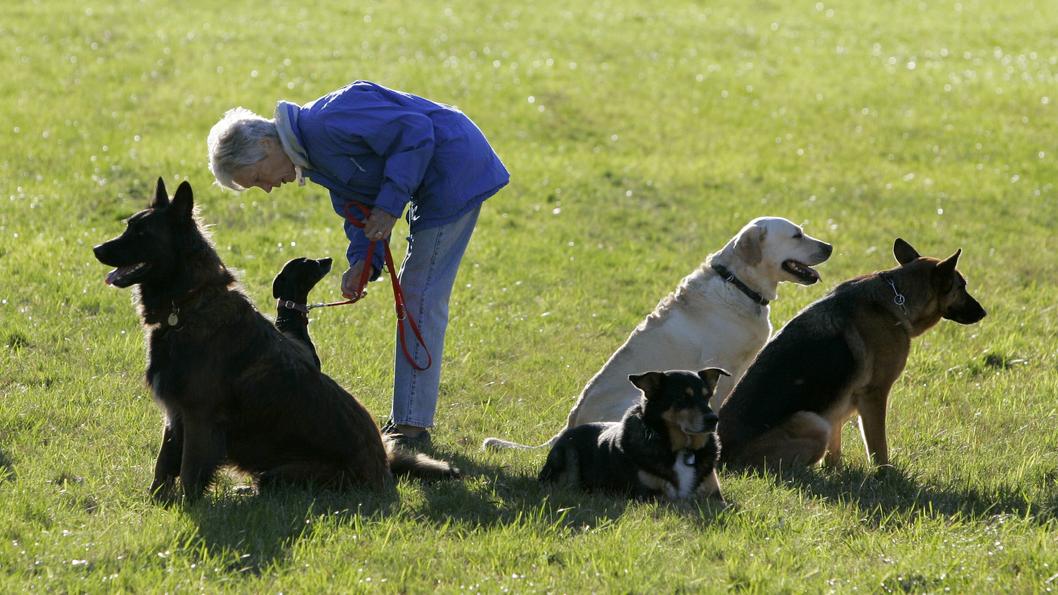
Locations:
(640, 138)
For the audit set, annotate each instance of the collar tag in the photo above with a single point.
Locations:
(898, 298)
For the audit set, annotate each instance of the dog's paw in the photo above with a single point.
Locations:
(887, 473)
(163, 491)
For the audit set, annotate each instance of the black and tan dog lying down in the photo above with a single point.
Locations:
(839, 358)
(665, 445)
(237, 391)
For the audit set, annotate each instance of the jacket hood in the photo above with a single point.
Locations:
(286, 119)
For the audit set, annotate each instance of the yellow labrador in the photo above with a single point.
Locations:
(717, 317)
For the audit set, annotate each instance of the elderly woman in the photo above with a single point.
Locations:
(384, 149)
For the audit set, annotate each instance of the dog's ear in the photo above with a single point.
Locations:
(748, 244)
(711, 376)
(945, 271)
(161, 197)
(948, 265)
(183, 203)
(903, 251)
(649, 382)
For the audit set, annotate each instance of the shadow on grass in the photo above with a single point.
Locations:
(890, 495)
(512, 498)
(7, 470)
(254, 531)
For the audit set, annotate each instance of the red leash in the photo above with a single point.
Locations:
(398, 293)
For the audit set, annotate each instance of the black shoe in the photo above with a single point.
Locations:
(390, 431)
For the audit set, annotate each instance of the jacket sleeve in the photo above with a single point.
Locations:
(403, 138)
(358, 242)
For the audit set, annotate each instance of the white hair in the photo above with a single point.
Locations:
(236, 142)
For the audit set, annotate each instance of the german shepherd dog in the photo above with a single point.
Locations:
(236, 390)
(665, 445)
(837, 358)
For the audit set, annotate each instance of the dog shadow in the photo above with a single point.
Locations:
(7, 469)
(256, 530)
(491, 495)
(892, 494)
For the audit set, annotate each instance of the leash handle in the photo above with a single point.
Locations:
(398, 293)
(365, 271)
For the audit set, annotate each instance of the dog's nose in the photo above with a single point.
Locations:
(827, 250)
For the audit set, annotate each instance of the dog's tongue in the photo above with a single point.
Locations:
(118, 273)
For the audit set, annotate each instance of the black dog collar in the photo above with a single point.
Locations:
(732, 279)
(292, 305)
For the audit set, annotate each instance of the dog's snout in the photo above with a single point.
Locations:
(826, 249)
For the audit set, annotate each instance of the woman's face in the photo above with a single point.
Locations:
(273, 171)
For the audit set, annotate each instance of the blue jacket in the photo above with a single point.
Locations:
(385, 148)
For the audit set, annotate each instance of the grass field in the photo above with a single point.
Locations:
(640, 137)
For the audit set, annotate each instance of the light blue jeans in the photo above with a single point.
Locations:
(427, 276)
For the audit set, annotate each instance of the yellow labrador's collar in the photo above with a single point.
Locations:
(732, 279)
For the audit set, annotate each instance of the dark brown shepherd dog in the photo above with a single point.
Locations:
(837, 358)
(236, 391)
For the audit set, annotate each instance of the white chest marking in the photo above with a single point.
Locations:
(684, 476)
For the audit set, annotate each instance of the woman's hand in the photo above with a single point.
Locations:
(378, 225)
(351, 279)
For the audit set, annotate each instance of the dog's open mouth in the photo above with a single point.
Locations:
(804, 274)
(703, 428)
(126, 275)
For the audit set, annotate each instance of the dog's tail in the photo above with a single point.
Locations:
(499, 443)
(415, 464)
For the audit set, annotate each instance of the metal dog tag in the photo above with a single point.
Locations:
(173, 320)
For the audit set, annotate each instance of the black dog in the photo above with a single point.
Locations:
(665, 445)
(291, 289)
(234, 388)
